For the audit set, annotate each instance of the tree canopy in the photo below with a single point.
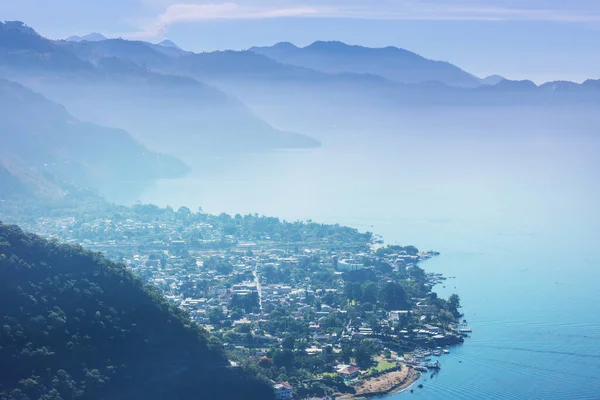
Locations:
(76, 326)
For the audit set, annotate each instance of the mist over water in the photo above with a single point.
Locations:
(515, 216)
(500, 177)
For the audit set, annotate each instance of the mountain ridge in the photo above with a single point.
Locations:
(393, 63)
(115, 82)
(168, 43)
(90, 37)
(78, 326)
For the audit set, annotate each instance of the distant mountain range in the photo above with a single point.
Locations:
(98, 37)
(398, 65)
(119, 83)
(92, 37)
(198, 105)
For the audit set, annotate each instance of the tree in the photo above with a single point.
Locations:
(353, 291)
(363, 357)
(243, 328)
(219, 264)
(412, 250)
(270, 273)
(247, 302)
(86, 328)
(184, 212)
(265, 362)
(417, 273)
(346, 354)
(301, 346)
(284, 359)
(289, 342)
(383, 267)
(215, 315)
(393, 296)
(369, 293)
(454, 305)
(249, 340)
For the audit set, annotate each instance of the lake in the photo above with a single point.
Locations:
(515, 216)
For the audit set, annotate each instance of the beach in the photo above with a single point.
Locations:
(390, 382)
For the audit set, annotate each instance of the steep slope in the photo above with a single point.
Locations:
(10, 184)
(178, 115)
(392, 63)
(43, 146)
(117, 88)
(23, 49)
(169, 43)
(169, 48)
(76, 326)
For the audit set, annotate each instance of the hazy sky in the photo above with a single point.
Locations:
(536, 39)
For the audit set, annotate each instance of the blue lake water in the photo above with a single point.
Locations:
(516, 218)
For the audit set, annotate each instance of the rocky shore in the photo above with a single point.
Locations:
(390, 382)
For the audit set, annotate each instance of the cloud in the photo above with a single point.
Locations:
(181, 13)
(480, 10)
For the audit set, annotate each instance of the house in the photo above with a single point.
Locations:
(283, 391)
(326, 308)
(397, 314)
(320, 337)
(349, 372)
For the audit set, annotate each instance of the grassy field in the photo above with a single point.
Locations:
(382, 365)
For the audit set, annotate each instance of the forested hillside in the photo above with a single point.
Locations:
(76, 326)
(44, 148)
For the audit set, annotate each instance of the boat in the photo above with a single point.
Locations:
(437, 353)
(446, 351)
(433, 365)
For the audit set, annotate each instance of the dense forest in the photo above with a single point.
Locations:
(77, 326)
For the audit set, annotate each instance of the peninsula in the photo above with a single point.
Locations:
(315, 310)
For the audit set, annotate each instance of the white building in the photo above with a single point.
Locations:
(283, 391)
(349, 264)
(397, 314)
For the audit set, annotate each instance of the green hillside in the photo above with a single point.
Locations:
(76, 326)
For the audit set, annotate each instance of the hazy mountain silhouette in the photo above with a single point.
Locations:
(352, 75)
(44, 148)
(22, 49)
(169, 48)
(392, 63)
(111, 83)
(151, 89)
(142, 53)
(168, 43)
(492, 79)
(92, 37)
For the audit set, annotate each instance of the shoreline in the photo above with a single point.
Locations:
(388, 383)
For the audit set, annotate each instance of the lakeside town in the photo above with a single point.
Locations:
(318, 310)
